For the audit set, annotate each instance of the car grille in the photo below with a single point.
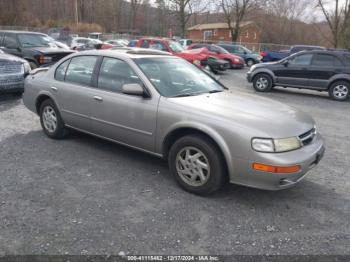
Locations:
(57, 57)
(308, 137)
(11, 68)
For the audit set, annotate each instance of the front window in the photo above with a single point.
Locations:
(175, 47)
(301, 60)
(174, 77)
(35, 40)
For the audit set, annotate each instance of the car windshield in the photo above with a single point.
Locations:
(175, 47)
(247, 50)
(174, 77)
(220, 49)
(35, 40)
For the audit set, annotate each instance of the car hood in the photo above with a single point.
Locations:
(51, 50)
(268, 117)
(10, 58)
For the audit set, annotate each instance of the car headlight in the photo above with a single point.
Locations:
(270, 145)
(26, 67)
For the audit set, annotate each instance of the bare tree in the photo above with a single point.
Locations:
(184, 10)
(234, 12)
(337, 19)
(135, 4)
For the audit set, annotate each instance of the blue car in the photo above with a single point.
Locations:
(249, 56)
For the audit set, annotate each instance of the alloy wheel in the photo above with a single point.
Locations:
(193, 166)
(262, 83)
(49, 119)
(340, 91)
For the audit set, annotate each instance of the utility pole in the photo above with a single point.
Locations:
(76, 15)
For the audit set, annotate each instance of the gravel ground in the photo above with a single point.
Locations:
(84, 195)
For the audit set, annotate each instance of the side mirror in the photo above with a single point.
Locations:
(285, 63)
(245, 52)
(133, 89)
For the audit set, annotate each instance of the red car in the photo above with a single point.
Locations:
(220, 53)
(195, 57)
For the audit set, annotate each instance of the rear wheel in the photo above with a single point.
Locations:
(340, 91)
(262, 83)
(51, 120)
(197, 164)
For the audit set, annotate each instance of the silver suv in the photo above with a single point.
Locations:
(165, 106)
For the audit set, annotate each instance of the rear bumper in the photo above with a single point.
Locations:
(307, 158)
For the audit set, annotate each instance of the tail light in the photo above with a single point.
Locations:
(263, 54)
(45, 59)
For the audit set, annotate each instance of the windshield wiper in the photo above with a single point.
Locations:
(215, 91)
(187, 94)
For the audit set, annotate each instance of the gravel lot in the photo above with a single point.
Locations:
(84, 195)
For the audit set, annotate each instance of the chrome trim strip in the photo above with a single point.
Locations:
(109, 123)
(115, 141)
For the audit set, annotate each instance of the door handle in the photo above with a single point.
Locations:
(98, 98)
(54, 88)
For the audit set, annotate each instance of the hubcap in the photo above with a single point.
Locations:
(193, 166)
(49, 119)
(262, 83)
(250, 63)
(340, 91)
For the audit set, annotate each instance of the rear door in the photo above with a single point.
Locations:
(324, 67)
(295, 72)
(73, 90)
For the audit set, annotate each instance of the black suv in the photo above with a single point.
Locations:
(38, 49)
(316, 70)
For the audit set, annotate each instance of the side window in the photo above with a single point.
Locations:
(1, 38)
(61, 71)
(324, 60)
(80, 70)
(10, 41)
(301, 60)
(159, 46)
(145, 44)
(114, 73)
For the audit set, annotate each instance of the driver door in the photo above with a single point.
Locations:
(295, 72)
(127, 119)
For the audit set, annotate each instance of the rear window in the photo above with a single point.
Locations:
(325, 60)
(80, 70)
(61, 71)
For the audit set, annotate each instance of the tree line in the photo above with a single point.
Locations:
(281, 21)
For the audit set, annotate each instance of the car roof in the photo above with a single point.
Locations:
(21, 32)
(128, 53)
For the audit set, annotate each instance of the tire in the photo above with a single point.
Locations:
(339, 91)
(262, 82)
(250, 62)
(214, 70)
(205, 180)
(52, 123)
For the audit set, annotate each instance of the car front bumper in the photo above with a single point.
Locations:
(11, 83)
(306, 157)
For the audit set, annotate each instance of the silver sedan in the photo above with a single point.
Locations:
(165, 106)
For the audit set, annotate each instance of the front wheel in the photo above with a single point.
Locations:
(197, 164)
(250, 62)
(262, 83)
(339, 91)
(51, 120)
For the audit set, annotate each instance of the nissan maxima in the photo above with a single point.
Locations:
(165, 106)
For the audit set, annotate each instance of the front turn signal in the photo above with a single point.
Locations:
(276, 169)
